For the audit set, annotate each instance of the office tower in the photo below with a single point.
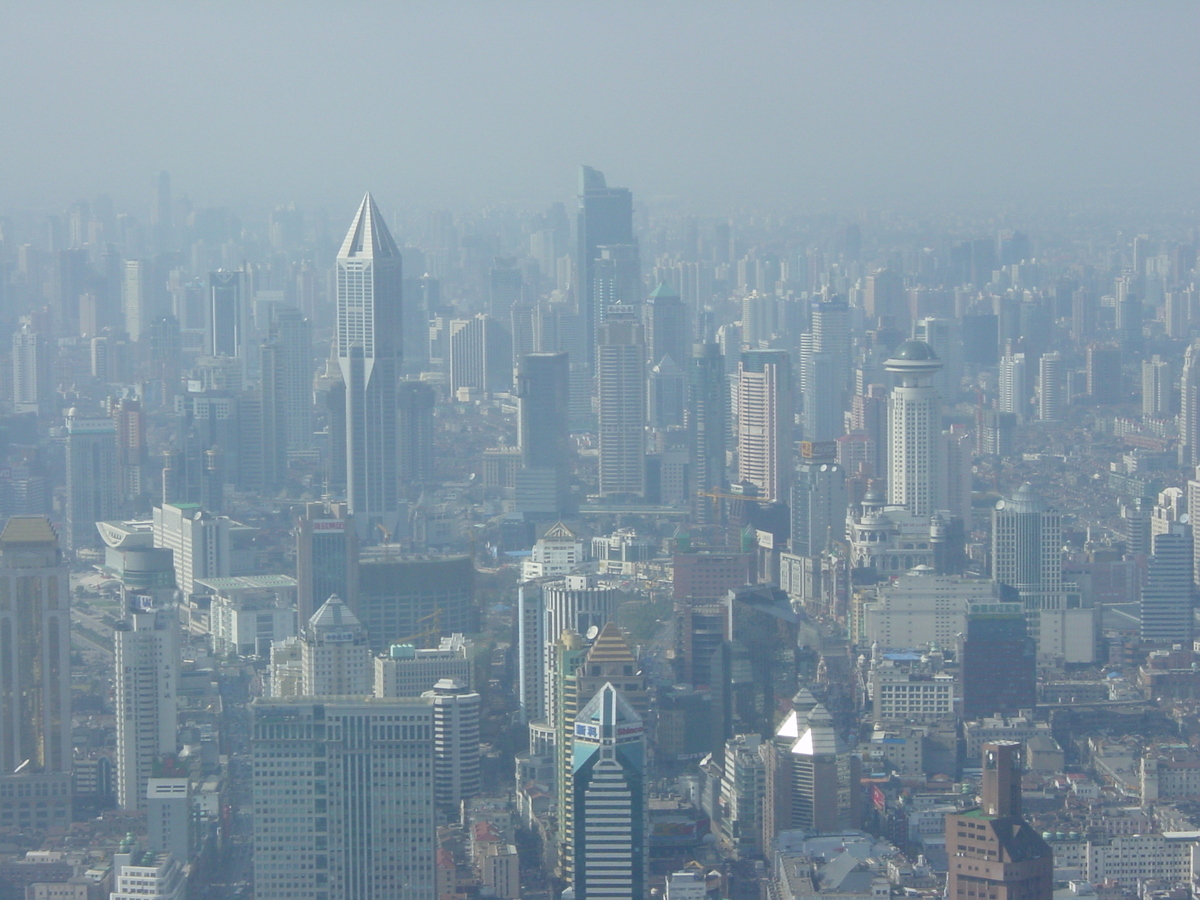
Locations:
(830, 319)
(33, 376)
(480, 355)
(226, 314)
(146, 650)
(326, 558)
(868, 416)
(761, 631)
(946, 339)
(506, 286)
(608, 762)
(543, 418)
(35, 646)
(1167, 595)
(1189, 407)
(136, 301)
(621, 406)
(998, 660)
(530, 615)
(343, 799)
(369, 346)
(92, 477)
(577, 603)
(415, 402)
(1013, 395)
(1052, 388)
(522, 325)
(605, 219)
(408, 671)
(132, 462)
(198, 540)
(455, 744)
(335, 659)
(883, 297)
(1027, 556)
(617, 283)
(706, 422)
(765, 417)
(1104, 374)
(667, 332)
(993, 851)
(1158, 385)
(816, 777)
(287, 370)
(823, 418)
(169, 817)
(667, 394)
(914, 429)
(415, 600)
(818, 508)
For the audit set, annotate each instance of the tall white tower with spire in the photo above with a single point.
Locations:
(914, 430)
(369, 349)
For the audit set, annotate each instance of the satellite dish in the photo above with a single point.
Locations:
(593, 632)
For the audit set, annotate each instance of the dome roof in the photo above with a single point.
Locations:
(915, 351)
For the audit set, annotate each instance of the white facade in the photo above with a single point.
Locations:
(335, 659)
(351, 813)
(198, 541)
(914, 430)
(147, 672)
(169, 817)
(409, 671)
(921, 608)
(455, 742)
(765, 417)
(556, 553)
(141, 875)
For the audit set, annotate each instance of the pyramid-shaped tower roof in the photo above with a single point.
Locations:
(334, 614)
(368, 237)
(559, 532)
(611, 647)
(820, 738)
(609, 706)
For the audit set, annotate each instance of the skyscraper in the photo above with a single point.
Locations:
(1013, 396)
(543, 411)
(416, 400)
(706, 421)
(622, 408)
(667, 332)
(33, 379)
(1104, 374)
(993, 851)
(146, 649)
(136, 298)
(93, 490)
(605, 219)
(1167, 595)
(455, 743)
(1189, 407)
(326, 559)
(914, 429)
(1052, 388)
(343, 799)
(818, 507)
(35, 646)
(287, 370)
(1027, 556)
(577, 603)
(608, 762)
(335, 658)
(369, 346)
(226, 319)
(765, 418)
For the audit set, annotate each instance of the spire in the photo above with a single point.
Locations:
(368, 237)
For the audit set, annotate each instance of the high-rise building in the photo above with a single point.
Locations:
(1166, 606)
(1104, 374)
(993, 851)
(605, 219)
(1013, 394)
(667, 332)
(343, 799)
(326, 559)
(146, 649)
(169, 817)
(765, 416)
(945, 337)
(824, 418)
(1158, 385)
(416, 400)
(455, 743)
(506, 286)
(287, 369)
(543, 420)
(830, 318)
(1189, 407)
(1027, 556)
(621, 406)
(33, 381)
(707, 407)
(577, 603)
(818, 507)
(35, 647)
(199, 541)
(914, 430)
(1052, 387)
(136, 299)
(415, 600)
(335, 658)
(998, 660)
(227, 314)
(369, 280)
(480, 355)
(609, 824)
(92, 477)
(820, 778)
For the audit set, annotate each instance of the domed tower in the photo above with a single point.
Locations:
(914, 429)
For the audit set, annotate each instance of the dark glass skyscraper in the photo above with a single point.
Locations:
(706, 421)
(543, 410)
(605, 219)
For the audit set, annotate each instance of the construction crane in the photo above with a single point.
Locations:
(423, 638)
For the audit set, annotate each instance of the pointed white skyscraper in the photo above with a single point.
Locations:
(369, 276)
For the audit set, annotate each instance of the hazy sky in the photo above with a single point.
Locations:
(824, 105)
